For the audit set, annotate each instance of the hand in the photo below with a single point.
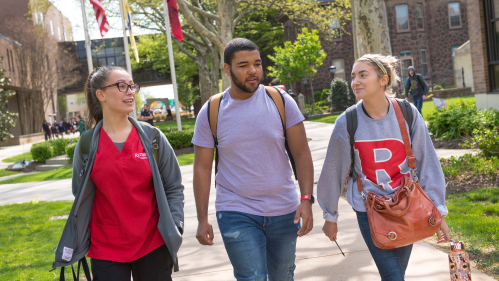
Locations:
(405, 98)
(443, 233)
(425, 97)
(204, 233)
(305, 212)
(330, 229)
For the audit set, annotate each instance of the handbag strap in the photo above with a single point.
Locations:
(76, 277)
(411, 159)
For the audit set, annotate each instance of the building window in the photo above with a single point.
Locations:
(65, 38)
(12, 60)
(336, 26)
(340, 68)
(8, 59)
(402, 17)
(59, 32)
(51, 27)
(36, 16)
(419, 9)
(405, 62)
(41, 20)
(454, 14)
(424, 62)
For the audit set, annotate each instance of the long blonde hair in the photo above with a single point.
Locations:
(388, 64)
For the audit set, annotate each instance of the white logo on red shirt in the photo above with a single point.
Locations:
(382, 161)
(141, 155)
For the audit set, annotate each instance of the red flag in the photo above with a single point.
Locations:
(174, 19)
(101, 17)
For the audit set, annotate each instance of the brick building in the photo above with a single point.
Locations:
(484, 44)
(59, 28)
(423, 33)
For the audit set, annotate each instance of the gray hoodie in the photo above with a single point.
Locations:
(379, 157)
(415, 84)
(75, 241)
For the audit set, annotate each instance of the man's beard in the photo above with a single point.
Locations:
(241, 85)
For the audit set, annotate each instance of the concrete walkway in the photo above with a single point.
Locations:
(317, 257)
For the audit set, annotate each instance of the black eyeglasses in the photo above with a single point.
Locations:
(123, 87)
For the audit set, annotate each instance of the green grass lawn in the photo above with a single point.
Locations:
(325, 119)
(474, 219)
(14, 159)
(165, 126)
(429, 106)
(4, 173)
(58, 174)
(28, 240)
(66, 173)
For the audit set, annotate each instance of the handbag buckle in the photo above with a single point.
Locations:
(432, 221)
(414, 175)
(392, 235)
(364, 195)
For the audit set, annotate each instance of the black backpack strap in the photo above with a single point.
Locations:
(278, 99)
(352, 123)
(407, 112)
(76, 276)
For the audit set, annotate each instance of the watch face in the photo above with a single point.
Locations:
(312, 199)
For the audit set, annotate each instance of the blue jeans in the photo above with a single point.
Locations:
(259, 246)
(391, 263)
(418, 102)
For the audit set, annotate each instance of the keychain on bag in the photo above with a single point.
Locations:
(459, 262)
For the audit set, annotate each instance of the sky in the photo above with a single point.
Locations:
(72, 10)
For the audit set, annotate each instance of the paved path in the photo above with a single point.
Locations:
(317, 257)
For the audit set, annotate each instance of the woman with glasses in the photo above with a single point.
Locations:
(130, 205)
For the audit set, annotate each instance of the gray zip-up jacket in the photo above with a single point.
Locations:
(75, 241)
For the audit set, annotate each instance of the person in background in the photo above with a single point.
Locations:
(146, 115)
(81, 125)
(46, 129)
(417, 87)
(55, 130)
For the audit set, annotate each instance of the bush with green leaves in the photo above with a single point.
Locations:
(180, 139)
(340, 97)
(70, 151)
(321, 96)
(41, 151)
(59, 146)
(457, 120)
(487, 141)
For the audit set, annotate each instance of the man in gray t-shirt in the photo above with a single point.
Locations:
(258, 210)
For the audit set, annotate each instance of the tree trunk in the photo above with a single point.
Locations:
(205, 82)
(227, 13)
(215, 71)
(370, 28)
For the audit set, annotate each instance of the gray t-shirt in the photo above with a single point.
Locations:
(380, 161)
(120, 145)
(254, 174)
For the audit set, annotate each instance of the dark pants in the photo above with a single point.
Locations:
(418, 102)
(47, 135)
(391, 263)
(155, 266)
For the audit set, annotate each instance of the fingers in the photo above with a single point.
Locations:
(211, 236)
(205, 234)
(297, 216)
(306, 227)
(330, 230)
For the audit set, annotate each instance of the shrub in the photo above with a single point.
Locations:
(438, 87)
(180, 139)
(340, 94)
(41, 152)
(454, 121)
(70, 151)
(59, 146)
(487, 141)
(321, 96)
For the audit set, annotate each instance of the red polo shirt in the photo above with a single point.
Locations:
(124, 223)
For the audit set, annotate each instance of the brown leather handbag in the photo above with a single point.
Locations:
(407, 217)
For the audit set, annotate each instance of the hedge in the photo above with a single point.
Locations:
(42, 151)
(180, 139)
(70, 151)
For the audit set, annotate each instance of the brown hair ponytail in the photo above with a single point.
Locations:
(95, 81)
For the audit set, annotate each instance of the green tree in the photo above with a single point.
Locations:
(298, 60)
(62, 103)
(7, 118)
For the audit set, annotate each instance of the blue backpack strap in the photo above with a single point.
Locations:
(352, 124)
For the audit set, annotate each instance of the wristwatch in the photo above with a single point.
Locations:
(309, 197)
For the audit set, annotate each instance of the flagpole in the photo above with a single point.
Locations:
(172, 65)
(88, 43)
(127, 51)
